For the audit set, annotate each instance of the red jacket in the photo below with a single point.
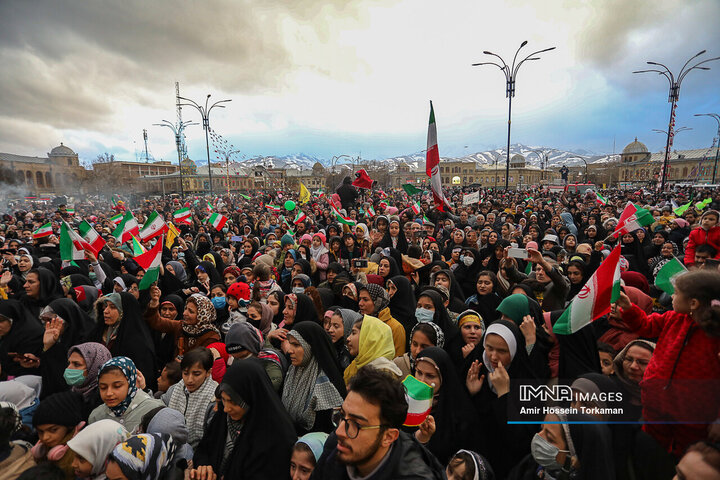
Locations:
(700, 236)
(682, 380)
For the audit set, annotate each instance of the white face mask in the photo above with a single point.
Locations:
(468, 260)
(298, 290)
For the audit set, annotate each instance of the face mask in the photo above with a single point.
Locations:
(92, 276)
(545, 453)
(298, 290)
(218, 302)
(424, 315)
(74, 377)
(468, 261)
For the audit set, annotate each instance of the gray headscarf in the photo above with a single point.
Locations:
(179, 270)
(243, 336)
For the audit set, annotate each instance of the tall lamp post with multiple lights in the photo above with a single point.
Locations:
(717, 145)
(673, 96)
(543, 156)
(205, 114)
(510, 77)
(177, 131)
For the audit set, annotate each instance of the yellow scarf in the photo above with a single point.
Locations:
(375, 341)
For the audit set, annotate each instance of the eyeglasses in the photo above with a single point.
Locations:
(352, 428)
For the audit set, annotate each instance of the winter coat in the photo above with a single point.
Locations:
(700, 236)
(681, 382)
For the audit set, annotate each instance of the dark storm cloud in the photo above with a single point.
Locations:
(68, 64)
(622, 35)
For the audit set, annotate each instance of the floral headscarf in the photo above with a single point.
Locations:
(128, 369)
(95, 356)
(205, 316)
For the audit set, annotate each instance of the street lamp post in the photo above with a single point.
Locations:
(205, 115)
(510, 77)
(673, 96)
(543, 156)
(717, 145)
(177, 131)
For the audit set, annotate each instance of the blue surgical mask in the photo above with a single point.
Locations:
(545, 453)
(218, 302)
(424, 315)
(74, 377)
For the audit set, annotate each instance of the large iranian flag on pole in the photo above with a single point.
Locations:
(127, 227)
(154, 226)
(150, 262)
(594, 299)
(632, 218)
(91, 236)
(432, 164)
(72, 246)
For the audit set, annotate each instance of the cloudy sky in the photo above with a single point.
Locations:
(330, 77)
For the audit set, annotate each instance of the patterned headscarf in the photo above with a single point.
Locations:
(379, 296)
(95, 356)
(145, 457)
(205, 317)
(128, 369)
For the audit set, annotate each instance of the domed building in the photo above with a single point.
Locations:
(635, 152)
(60, 172)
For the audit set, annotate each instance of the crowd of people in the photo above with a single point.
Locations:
(275, 346)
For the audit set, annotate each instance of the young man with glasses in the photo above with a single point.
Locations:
(367, 441)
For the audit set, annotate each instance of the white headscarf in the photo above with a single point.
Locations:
(95, 442)
(507, 335)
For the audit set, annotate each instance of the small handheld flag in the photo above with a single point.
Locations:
(419, 397)
(43, 231)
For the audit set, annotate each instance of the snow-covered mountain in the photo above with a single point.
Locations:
(555, 157)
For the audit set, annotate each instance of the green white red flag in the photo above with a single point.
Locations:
(43, 231)
(632, 218)
(150, 261)
(182, 216)
(432, 164)
(154, 226)
(91, 236)
(127, 227)
(116, 219)
(72, 245)
(668, 273)
(342, 218)
(600, 199)
(301, 217)
(419, 397)
(415, 208)
(371, 211)
(274, 208)
(217, 220)
(595, 297)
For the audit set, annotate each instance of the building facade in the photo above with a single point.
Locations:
(57, 174)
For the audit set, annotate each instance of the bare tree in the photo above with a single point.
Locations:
(104, 158)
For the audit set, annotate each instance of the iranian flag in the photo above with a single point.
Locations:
(217, 220)
(342, 218)
(182, 216)
(528, 199)
(371, 211)
(274, 208)
(415, 208)
(137, 247)
(595, 297)
(600, 199)
(150, 262)
(419, 397)
(43, 231)
(301, 217)
(432, 164)
(72, 246)
(246, 197)
(154, 226)
(666, 276)
(127, 227)
(632, 218)
(91, 236)
(116, 219)
(70, 211)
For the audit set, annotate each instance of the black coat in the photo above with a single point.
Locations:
(25, 336)
(408, 460)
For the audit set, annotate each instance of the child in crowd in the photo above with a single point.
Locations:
(305, 454)
(195, 396)
(170, 375)
(92, 445)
